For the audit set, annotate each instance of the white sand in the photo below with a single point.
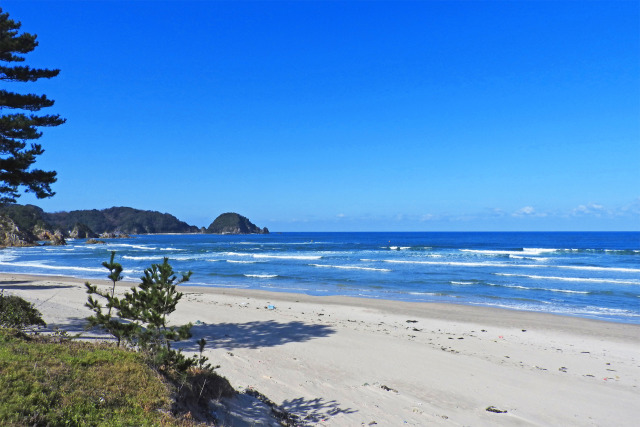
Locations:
(346, 362)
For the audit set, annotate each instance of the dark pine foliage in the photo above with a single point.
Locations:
(139, 318)
(20, 127)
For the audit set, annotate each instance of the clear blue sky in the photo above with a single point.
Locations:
(341, 116)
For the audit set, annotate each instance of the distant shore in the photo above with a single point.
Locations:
(346, 361)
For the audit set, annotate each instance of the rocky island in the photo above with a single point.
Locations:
(233, 223)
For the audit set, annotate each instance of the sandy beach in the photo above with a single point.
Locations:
(338, 361)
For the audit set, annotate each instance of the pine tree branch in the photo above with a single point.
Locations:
(24, 73)
(29, 102)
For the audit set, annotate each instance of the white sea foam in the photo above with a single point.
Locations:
(452, 263)
(225, 285)
(185, 258)
(616, 311)
(505, 265)
(267, 256)
(143, 258)
(261, 276)
(283, 288)
(590, 268)
(567, 291)
(350, 267)
(539, 251)
(524, 251)
(575, 311)
(126, 245)
(577, 267)
(303, 257)
(572, 279)
(279, 243)
(5, 257)
(234, 254)
(453, 282)
(533, 258)
(94, 247)
(237, 261)
(36, 264)
(511, 286)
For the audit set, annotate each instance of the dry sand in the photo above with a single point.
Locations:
(339, 361)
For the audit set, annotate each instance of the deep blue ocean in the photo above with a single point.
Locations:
(594, 275)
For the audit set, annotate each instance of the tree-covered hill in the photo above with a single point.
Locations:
(122, 219)
(26, 217)
(233, 223)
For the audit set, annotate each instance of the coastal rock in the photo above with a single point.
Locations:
(114, 235)
(55, 238)
(41, 232)
(233, 223)
(12, 235)
(82, 231)
(95, 242)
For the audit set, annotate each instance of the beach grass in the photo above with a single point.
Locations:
(45, 381)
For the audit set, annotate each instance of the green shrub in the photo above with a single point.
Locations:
(43, 382)
(18, 313)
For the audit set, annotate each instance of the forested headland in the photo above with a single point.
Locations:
(23, 225)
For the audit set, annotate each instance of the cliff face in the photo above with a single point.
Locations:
(54, 237)
(233, 223)
(81, 231)
(12, 235)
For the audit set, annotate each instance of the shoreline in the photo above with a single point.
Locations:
(362, 300)
(340, 360)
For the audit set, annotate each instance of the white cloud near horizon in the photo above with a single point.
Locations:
(527, 211)
(594, 210)
(590, 209)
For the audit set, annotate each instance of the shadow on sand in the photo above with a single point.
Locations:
(19, 285)
(255, 334)
(313, 411)
(73, 325)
